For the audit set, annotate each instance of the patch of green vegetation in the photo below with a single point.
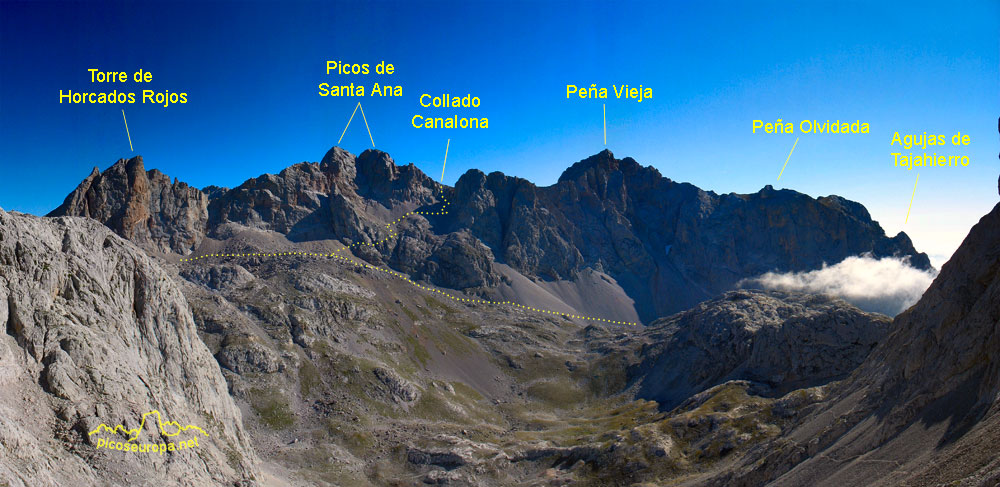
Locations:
(550, 367)
(432, 406)
(559, 393)
(605, 377)
(462, 389)
(350, 436)
(726, 398)
(316, 467)
(465, 408)
(323, 348)
(418, 351)
(309, 378)
(595, 422)
(272, 408)
(410, 314)
(450, 340)
(707, 430)
(434, 303)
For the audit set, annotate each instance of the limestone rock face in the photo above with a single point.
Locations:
(97, 333)
(778, 341)
(142, 206)
(401, 390)
(457, 260)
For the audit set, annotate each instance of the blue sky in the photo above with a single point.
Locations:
(251, 72)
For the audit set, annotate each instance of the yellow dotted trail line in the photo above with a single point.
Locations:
(134, 433)
(442, 211)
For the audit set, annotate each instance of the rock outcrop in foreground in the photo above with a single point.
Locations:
(95, 332)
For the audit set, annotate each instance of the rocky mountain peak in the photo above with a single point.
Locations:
(338, 162)
(133, 165)
(603, 162)
(470, 181)
(376, 165)
(145, 207)
(601, 165)
(852, 208)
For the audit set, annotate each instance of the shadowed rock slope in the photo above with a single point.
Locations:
(923, 409)
(665, 245)
(95, 332)
(777, 341)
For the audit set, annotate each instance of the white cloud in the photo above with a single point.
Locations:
(888, 285)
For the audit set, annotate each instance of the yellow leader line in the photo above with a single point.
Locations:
(349, 123)
(604, 107)
(789, 157)
(445, 159)
(126, 131)
(366, 124)
(911, 199)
